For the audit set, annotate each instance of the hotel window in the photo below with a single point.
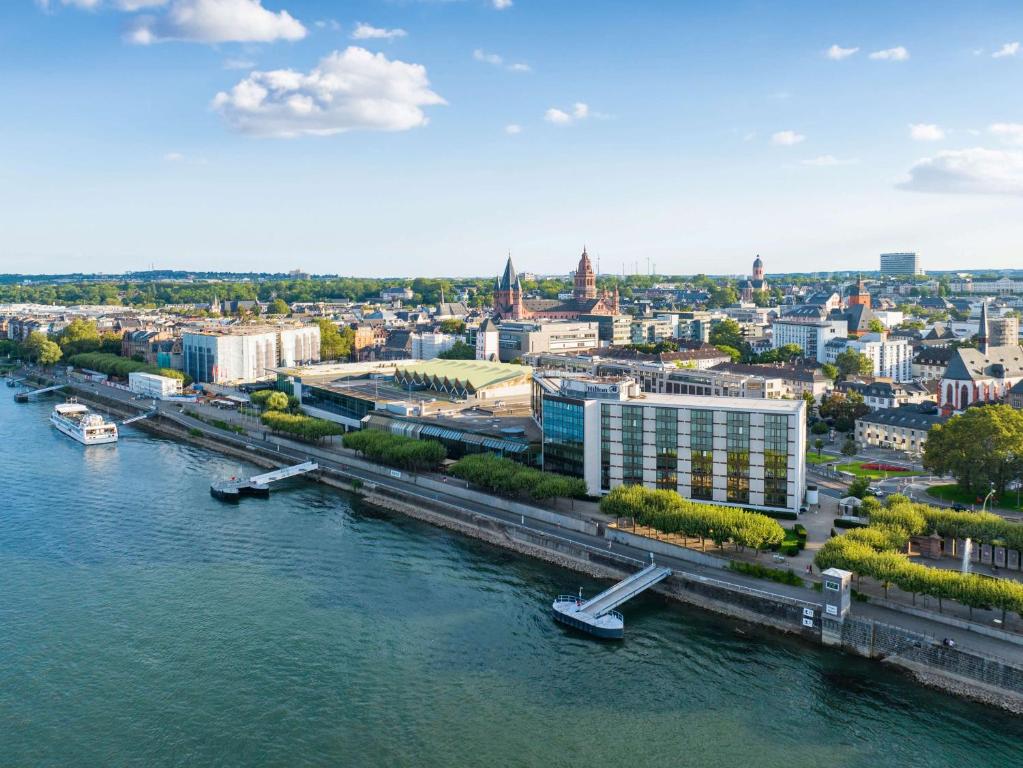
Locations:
(701, 442)
(737, 444)
(666, 439)
(632, 445)
(605, 448)
(563, 436)
(776, 446)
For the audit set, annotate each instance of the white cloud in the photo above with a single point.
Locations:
(138, 5)
(216, 21)
(174, 157)
(1010, 132)
(828, 161)
(513, 128)
(331, 24)
(925, 132)
(891, 54)
(787, 138)
(490, 58)
(837, 53)
(580, 111)
(239, 64)
(498, 61)
(974, 171)
(349, 90)
(1008, 49)
(501, 5)
(368, 32)
(557, 116)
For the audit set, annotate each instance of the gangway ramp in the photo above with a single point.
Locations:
(597, 615)
(22, 397)
(141, 416)
(258, 485)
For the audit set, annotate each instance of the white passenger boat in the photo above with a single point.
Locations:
(77, 421)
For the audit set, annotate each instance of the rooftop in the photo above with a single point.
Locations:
(477, 374)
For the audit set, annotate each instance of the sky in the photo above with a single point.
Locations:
(433, 137)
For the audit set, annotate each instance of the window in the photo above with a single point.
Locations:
(701, 441)
(605, 448)
(776, 444)
(737, 445)
(666, 440)
(632, 445)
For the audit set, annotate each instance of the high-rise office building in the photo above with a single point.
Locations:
(901, 264)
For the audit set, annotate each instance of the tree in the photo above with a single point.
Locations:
(279, 307)
(732, 352)
(452, 325)
(849, 447)
(727, 332)
(277, 401)
(49, 353)
(875, 326)
(335, 343)
(811, 404)
(858, 487)
(830, 371)
(81, 335)
(459, 351)
(853, 363)
(980, 448)
(819, 445)
(843, 409)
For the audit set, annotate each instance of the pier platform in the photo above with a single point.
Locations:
(597, 616)
(257, 485)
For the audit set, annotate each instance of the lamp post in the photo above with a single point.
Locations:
(989, 495)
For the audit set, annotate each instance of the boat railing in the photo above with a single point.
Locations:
(568, 599)
(614, 614)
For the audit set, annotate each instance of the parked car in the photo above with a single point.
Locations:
(960, 507)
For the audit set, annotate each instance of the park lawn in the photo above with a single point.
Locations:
(952, 493)
(856, 468)
(824, 458)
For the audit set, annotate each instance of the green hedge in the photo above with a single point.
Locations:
(302, 427)
(396, 450)
(115, 365)
(510, 478)
(842, 523)
(788, 576)
(777, 514)
(668, 512)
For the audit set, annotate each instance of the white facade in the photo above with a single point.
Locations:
(427, 346)
(810, 336)
(299, 345)
(220, 358)
(892, 358)
(901, 264)
(151, 385)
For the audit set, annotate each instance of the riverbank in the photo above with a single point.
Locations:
(959, 671)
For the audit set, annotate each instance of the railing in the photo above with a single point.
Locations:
(749, 590)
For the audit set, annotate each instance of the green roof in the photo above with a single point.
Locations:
(477, 374)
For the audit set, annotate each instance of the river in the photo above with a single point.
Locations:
(142, 623)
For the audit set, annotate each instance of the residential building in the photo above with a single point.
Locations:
(427, 346)
(612, 329)
(810, 328)
(650, 330)
(487, 341)
(900, 264)
(929, 363)
(891, 358)
(1003, 330)
(734, 452)
(880, 395)
(795, 380)
(902, 429)
(1003, 286)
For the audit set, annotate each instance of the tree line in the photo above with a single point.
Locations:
(115, 365)
(507, 477)
(305, 428)
(668, 512)
(396, 450)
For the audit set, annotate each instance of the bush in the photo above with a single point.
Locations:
(195, 432)
(820, 428)
(396, 450)
(787, 576)
(777, 514)
(509, 478)
(668, 512)
(841, 522)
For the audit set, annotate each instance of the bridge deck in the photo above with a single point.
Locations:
(284, 473)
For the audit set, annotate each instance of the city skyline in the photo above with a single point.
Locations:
(419, 138)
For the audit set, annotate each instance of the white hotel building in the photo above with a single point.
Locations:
(246, 353)
(721, 450)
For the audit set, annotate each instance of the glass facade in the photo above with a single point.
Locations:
(666, 439)
(336, 402)
(563, 436)
(776, 460)
(701, 443)
(199, 358)
(605, 448)
(632, 445)
(737, 445)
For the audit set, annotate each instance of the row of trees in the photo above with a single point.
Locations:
(981, 448)
(397, 450)
(510, 478)
(115, 365)
(861, 552)
(668, 512)
(923, 520)
(303, 427)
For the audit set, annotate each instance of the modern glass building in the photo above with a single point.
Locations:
(732, 451)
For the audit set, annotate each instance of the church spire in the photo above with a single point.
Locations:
(983, 334)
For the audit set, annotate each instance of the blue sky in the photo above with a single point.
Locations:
(277, 134)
